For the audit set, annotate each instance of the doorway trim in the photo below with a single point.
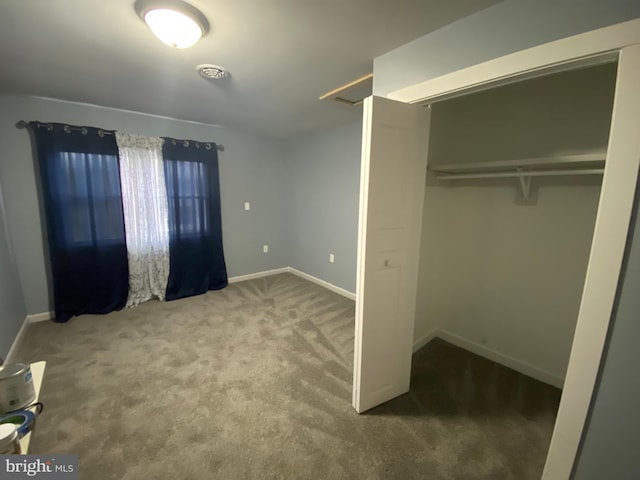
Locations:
(621, 42)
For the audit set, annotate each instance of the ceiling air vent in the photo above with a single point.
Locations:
(212, 72)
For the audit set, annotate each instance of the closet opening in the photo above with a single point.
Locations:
(513, 185)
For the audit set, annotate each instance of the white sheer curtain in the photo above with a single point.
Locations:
(146, 216)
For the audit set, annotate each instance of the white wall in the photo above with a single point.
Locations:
(324, 182)
(507, 277)
(252, 168)
(500, 278)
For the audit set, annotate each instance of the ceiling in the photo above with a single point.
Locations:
(282, 55)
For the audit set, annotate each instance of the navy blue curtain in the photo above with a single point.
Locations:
(80, 186)
(195, 228)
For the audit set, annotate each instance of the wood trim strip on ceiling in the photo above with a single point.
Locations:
(334, 94)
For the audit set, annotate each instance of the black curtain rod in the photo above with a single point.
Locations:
(22, 124)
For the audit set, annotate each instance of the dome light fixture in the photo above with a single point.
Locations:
(174, 22)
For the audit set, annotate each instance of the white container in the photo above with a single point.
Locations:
(16, 387)
(9, 442)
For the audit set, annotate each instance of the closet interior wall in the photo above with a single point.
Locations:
(501, 279)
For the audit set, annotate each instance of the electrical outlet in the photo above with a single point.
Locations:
(332, 259)
(247, 206)
(265, 248)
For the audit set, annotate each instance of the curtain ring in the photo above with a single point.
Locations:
(67, 129)
(197, 145)
(84, 131)
(208, 147)
(50, 127)
(100, 133)
(186, 143)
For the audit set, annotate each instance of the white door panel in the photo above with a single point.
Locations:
(394, 159)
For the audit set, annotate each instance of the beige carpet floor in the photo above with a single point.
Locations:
(254, 382)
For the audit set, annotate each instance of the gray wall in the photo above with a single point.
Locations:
(324, 178)
(252, 168)
(505, 28)
(12, 309)
(610, 442)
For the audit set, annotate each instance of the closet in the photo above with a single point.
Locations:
(472, 240)
(511, 197)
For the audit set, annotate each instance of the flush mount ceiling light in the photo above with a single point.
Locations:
(174, 22)
(212, 72)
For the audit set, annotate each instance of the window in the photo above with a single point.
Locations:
(86, 193)
(189, 198)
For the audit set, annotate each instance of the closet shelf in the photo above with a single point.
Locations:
(560, 165)
(556, 165)
(522, 173)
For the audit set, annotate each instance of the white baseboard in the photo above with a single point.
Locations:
(37, 317)
(17, 341)
(251, 276)
(40, 317)
(506, 360)
(422, 341)
(306, 276)
(322, 283)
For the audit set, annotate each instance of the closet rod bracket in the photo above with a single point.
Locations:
(525, 184)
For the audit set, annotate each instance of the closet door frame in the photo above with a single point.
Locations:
(619, 42)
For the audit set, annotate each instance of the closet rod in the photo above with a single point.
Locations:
(524, 173)
(22, 124)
